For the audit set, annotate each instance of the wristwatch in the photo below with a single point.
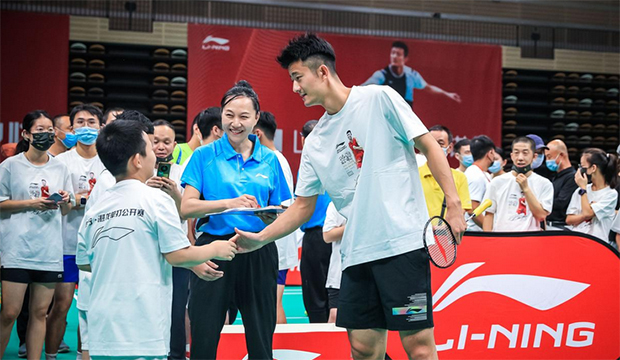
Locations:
(83, 201)
(582, 192)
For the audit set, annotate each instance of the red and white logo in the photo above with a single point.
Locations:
(215, 43)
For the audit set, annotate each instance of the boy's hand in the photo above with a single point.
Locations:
(224, 249)
(207, 271)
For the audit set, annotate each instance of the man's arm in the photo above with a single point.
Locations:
(377, 78)
(478, 220)
(438, 164)
(536, 208)
(299, 213)
(432, 89)
(488, 222)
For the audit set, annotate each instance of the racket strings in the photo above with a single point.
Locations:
(443, 250)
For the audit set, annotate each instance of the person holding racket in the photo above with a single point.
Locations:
(233, 172)
(386, 273)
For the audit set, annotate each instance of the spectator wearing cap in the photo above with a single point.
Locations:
(563, 182)
(539, 158)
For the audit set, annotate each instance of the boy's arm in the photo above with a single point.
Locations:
(334, 234)
(195, 255)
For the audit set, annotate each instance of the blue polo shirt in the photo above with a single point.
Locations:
(320, 211)
(219, 172)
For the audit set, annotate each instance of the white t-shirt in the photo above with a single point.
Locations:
(32, 239)
(123, 237)
(603, 203)
(287, 246)
(333, 219)
(363, 156)
(512, 212)
(84, 177)
(477, 181)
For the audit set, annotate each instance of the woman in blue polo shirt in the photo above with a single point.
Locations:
(232, 172)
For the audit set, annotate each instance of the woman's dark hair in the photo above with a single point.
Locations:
(27, 124)
(501, 153)
(308, 47)
(241, 89)
(118, 142)
(608, 163)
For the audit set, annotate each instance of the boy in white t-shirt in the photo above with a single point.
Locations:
(128, 239)
(478, 177)
(521, 198)
(362, 153)
(333, 229)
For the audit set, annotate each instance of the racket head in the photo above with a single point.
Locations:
(441, 248)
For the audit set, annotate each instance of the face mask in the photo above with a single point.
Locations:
(468, 160)
(495, 167)
(70, 140)
(552, 165)
(445, 151)
(42, 141)
(538, 161)
(522, 170)
(165, 159)
(584, 171)
(86, 135)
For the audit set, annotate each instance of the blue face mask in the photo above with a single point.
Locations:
(495, 167)
(538, 161)
(70, 140)
(445, 151)
(468, 160)
(86, 135)
(552, 165)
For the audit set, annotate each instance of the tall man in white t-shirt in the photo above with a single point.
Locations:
(84, 166)
(382, 200)
(478, 176)
(129, 239)
(265, 129)
(521, 198)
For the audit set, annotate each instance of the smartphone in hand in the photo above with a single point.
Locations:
(55, 197)
(163, 169)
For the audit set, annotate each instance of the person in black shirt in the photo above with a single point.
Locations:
(564, 184)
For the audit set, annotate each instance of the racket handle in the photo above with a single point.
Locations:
(481, 208)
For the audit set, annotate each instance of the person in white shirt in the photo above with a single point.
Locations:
(593, 206)
(521, 198)
(128, 240)
(31, 235)
(462, 152)
(333, 229)
(83, 164)
(362, 153)
(478, 177)
(265, 129)
(615, 227)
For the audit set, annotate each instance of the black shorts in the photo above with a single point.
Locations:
(392, 293)
(26, 276)
(332, 298)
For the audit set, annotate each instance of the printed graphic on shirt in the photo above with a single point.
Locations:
(522, 209)
(45, 190)
(39, 190)
(34, 190)
(86, 183)
(112, 214)
(114, 233)
(357, 149)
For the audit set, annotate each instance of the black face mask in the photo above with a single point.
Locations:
(522, 170)
(42, 141)
(164, 160)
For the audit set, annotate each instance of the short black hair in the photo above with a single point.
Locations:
(308, 127)
(241, 89)
(109, 111)
(161, 122)
(459, 144)
(145, 123)
(480, 146)
(525, 140)
(207, 119)
(401, 45)
(117, 143)
(91, 109)
(501, 153)
(442, 128)
(57, 118)
(267, 123)
(308, 47)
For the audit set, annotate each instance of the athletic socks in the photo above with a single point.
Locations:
(79, 356)
(50, 356)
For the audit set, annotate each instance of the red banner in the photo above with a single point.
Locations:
(221, 55)
(546, 295)
(35, 66)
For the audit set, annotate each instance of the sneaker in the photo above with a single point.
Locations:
(63, 348)
(21, 353)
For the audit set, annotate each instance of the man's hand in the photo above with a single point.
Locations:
(170, 187)
(454, 96)
(155, 182)
(267, 218)
(522, 181)
(455, 217)
(247, 241)
(207, 271)
(224, 249)
(66, 197)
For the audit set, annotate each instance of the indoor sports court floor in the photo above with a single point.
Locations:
(292, 301)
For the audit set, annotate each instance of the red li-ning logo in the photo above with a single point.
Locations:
(537, 292)
(215, 43)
